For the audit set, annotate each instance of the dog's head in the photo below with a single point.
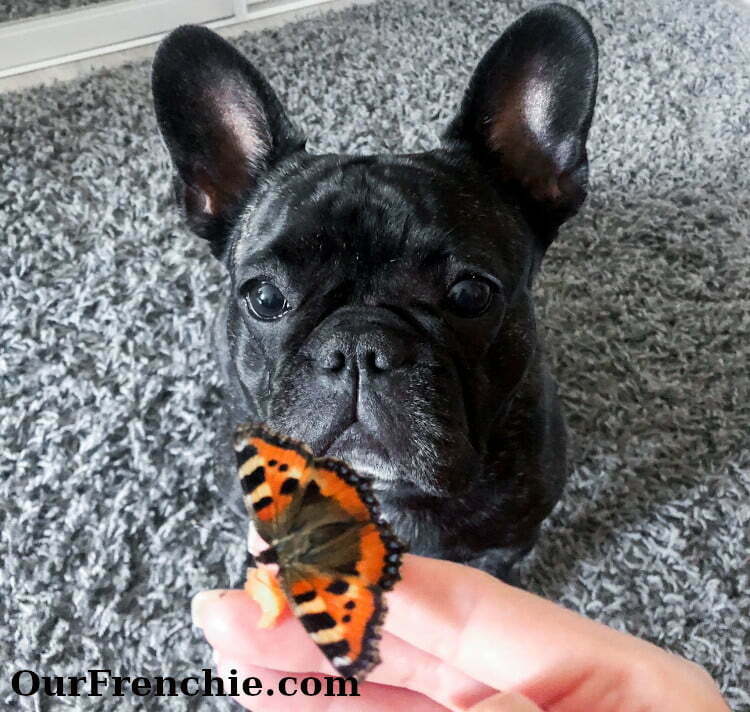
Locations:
(380, 306)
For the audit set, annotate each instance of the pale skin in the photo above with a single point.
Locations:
(457, 639)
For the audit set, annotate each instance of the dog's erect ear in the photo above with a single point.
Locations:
(223, 125)
(528, 109)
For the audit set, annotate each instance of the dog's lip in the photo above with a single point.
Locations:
(362, 462)
(362, 452)
(356, 438)
(377, 481)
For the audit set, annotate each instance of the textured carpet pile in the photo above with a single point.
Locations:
(109, 519)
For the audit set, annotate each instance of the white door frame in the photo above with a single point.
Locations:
(30, 44)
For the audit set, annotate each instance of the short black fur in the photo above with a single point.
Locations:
(456, 418)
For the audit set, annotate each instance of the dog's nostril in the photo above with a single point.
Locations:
(333, 361)
(382, 361)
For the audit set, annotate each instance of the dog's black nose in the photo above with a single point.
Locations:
(372, 352)
(371, 341)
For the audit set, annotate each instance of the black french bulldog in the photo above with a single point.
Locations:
(381, 306)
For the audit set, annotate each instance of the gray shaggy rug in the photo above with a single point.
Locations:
(108, 514)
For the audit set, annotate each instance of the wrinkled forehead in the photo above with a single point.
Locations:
(369, 210)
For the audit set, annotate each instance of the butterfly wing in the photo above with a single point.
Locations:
(342, 617)
(335, 584)
(273, 471)
(379, 557)
(336, 557)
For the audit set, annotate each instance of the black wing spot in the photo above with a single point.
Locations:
(246, 453)
(305, 597)
(314, 622)
(335, 650)
(289, 485)
(350, 604)
(255, 478)
(262, 503)
(313, 490)
(346, 618)
(312, 494)
(272, 463)
(283, 467)
(339, 586)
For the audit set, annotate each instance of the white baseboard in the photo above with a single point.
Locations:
(30, 45)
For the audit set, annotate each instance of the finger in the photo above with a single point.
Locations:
(454, 611)
(506, 638)
(506, 702)
(370, 697)
(229, 619)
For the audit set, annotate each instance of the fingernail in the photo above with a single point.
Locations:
(200, 604)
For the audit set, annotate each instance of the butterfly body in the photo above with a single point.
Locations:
(316, 528)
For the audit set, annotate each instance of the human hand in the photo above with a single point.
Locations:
(457, 639)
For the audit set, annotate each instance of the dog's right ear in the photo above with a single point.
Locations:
(223, 125)
(527, 111)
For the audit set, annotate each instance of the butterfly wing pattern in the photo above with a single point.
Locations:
(273, 471)
(335, 555)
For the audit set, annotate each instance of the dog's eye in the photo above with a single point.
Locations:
(470, 297)
(265, 300)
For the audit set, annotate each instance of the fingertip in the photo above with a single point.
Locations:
(229, 621)
(201, 603)
(206, 606)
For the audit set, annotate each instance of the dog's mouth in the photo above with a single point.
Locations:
(365, 453)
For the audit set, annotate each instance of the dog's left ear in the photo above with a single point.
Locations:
(223, 124)
(527, 112)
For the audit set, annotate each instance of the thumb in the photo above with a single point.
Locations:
(506, 702)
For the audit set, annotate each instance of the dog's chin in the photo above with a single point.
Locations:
(388, 480)
(369, 456)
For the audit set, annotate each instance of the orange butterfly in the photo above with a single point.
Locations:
(319, 544)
